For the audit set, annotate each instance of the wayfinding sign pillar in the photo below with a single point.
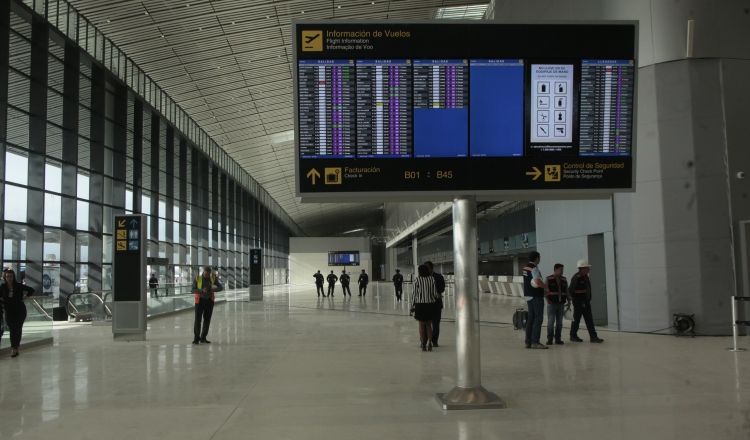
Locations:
(129, 280)
(256, 275)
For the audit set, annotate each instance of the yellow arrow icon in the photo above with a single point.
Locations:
(121, 223)
(313, 174)
(536, 173)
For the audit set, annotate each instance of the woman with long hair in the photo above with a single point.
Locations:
(14, 295)
(423, 301)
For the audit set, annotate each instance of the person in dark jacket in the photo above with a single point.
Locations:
(332, 278)
(153, 283)
(319, 283)
(204, 288)
(534, 290)
(437, 313)
(580, 291)
(344, 279)
(398, 282)
(362, 281)
(557, 301)
(13, 295)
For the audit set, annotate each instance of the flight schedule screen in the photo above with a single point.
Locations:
(394, 106)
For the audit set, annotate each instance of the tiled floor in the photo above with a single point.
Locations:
(296, 367)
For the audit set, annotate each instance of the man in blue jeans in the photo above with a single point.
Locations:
(557, 297)
(534, 292)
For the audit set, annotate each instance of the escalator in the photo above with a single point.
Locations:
(89, 306)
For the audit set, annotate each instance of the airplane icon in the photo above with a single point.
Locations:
(309, 40)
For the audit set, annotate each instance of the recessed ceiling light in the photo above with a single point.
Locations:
(372, 3)
(303, 12)
(268, 16)
(109, 21)
(162, 35)
(200, 29)
(188, 5)
(232, 22)
(339, 7)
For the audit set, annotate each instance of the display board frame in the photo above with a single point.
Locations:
(522, 181)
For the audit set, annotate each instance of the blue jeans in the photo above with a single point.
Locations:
(555, 313)
(534, 323)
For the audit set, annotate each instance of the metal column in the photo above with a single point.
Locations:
(468, 392)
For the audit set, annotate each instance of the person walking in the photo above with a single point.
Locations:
(319, 283)
(344, 279)
(557, 302)
(332, 278)
(153, 283)
(423, 305)
(13, 296)
(205, 287)
(363, 280)
(534, 291)
(437, 312)
(398, 281)
(580, 292)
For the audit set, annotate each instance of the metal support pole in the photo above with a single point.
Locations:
(734, 326)
(468, 392)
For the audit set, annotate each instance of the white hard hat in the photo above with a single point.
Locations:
(583, 263)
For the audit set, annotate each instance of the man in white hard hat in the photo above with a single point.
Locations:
(580, 291)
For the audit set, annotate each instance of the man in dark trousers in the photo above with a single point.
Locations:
(319, 283)
(534, 292)
(437, 312)
(580, 291)
(204, 288)
(362, 281)
(332, 278)
(557, 302)
(344, 280)
(398, 281)
(153, 283)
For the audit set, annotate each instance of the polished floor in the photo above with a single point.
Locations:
(299, 367)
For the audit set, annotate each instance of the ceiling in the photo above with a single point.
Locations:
(227, 63)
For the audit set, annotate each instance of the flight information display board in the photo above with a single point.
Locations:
(454, 107)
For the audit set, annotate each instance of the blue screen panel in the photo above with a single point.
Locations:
(497, 108)
(441, 132)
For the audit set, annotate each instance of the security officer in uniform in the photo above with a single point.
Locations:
(398, 281)
(557, 302)
(362, 281)
(535, 299)
(204, 288)
(332, 278)
(344, 280)
(580, 291)
(319, 283)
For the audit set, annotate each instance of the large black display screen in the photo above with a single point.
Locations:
(445, 107)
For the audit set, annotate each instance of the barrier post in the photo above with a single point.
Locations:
(734, 325)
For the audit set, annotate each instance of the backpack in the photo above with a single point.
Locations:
(519, 319)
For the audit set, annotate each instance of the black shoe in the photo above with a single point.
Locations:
(195, 341)
(559, 342)
(576, 339)
(435, 344)
(424, 347)
(597, 341)
(205, 341)
(429, 347)
(528, 345)
(549, 341)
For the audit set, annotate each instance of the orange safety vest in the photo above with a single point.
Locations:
(199, 283)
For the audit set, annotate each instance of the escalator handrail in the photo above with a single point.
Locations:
(68, 303)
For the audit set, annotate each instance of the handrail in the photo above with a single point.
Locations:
(40, 308)
(68, 302)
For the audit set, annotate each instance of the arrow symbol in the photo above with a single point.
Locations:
(133, 223)
(536, 173)
(121, 223)
(313, 174)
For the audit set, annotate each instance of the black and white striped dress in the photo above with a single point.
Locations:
(424, 298)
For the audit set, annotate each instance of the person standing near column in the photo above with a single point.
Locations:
(556, 304)
(534, 291)
(332, 278)
(13, 295)
(423, 305)
(204, 288)
(362, 281)
(153, 283)
(398, 281)
(344, 279)
(438, 312)
(580, 291)
(319, 283)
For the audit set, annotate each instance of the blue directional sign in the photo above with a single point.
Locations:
(129, 257)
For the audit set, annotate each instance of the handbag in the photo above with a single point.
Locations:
(568, 313)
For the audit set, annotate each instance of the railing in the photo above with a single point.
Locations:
(89, 306)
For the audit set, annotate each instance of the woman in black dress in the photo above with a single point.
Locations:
(423, 301)
(14, 295)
